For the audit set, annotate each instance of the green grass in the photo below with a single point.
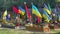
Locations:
(57, 31)
(7, 31)
(12, 31)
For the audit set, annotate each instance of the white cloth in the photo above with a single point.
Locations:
(9, 15)
(53, 14)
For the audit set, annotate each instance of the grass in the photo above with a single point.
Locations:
(14, 31)
(7, 31)
(57, 31)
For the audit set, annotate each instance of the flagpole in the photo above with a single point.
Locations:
(33, 16)
(25, 10)
(42, 13)
(31, 11)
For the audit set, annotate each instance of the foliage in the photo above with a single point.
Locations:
(38, 3)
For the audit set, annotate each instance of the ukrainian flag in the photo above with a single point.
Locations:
(46, 16)
(35, 11)
(45, 6)
(21, 10)
(46, 9)
(5, 13)
(49, 7)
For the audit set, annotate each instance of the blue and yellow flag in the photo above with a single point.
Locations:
(45, 6)
(46, 16)
(35, 11)
(49, 7)
(5, 13)
(21, 10)
(46, 9)
(4, 16)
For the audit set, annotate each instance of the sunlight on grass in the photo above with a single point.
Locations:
(6, 31)
(13, 31)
